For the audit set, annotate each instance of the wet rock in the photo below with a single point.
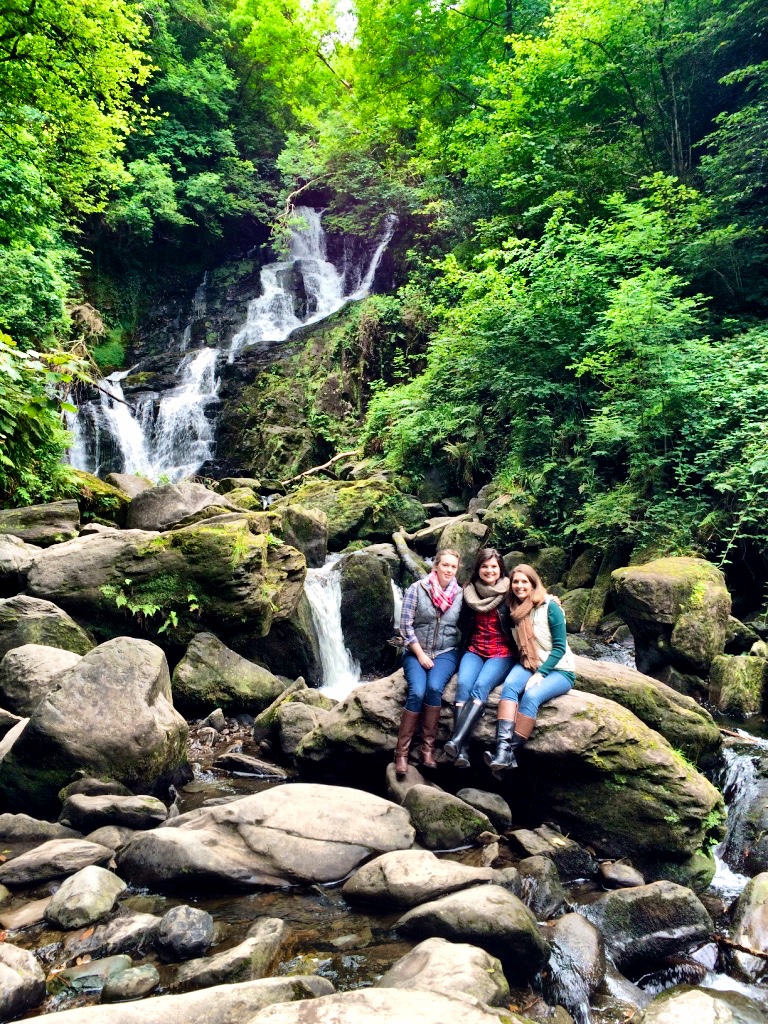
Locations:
(570, 859)
(739, 637)
(210, 675)
(376, 1005)
(615, 875)
(486, 916)
(294, 721)
(443, 821)
(28, 673)
(27, 620)
(113, 836)
(397, 788)
(466, 536)
(298, 833)
(244, 764)
(704, 1007)
(22, 982)
(162, 508)
(491, 804)
(452, 968)
(408, 878)
(54, 859)
(541, 888)
(42, 524)
(307, 530)
(255, 957)
(750, 929)
(84, 898)
(184, 933)
(111, 713)
(87, 813)
(643, 925)
(738, 686)
(25, 916)
(16, 556)
(367, 610)
(20, 828)
(677, 609)
(91, 976)
(679, 719)
(8, 723)
(291, 647)
(129, 483)
(576, 965)
(575, 604)
(224, 1004)
(583, 572)
(126, 933)
(134, 983)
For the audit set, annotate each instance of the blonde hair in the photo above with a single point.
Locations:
(445, 551)
(538, 594)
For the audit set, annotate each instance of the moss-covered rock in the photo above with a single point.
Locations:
(291, 648)
(549, 563)
(508, 518)
(100, 500)
(678, 611)
(575, 604)
(47, 524)
(27, 620)
(443, 821)
(306, 529)
(245, 497)
(583, 572)
(738, 685)
(359, 509)
(466, 536)
(367, 609)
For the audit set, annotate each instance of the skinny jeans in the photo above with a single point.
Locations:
(425, 686)
(529, 702)
(478, 676)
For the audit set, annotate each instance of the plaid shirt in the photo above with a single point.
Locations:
(410, 600)
(487, 639)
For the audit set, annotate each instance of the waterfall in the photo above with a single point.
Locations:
(341, 673)
(115, 434)
(306, 278)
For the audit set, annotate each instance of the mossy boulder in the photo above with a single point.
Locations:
(27, 620)
(210, 676)
(291, 648)
(750, 929)
(162, 508)
(222, 575)
(100, 500)
(466, 536)
(508, 518)
(575, 604)
(738, 685)
(47, 524)
(681, 720)
(307, 530)
(244, 497)
(549, 563)
(583, 572)
(678, 610)
(367, 609)
(371, 509)
(443, 821)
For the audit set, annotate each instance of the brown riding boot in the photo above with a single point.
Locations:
(408, 724)
(524, 726)
(430, 720)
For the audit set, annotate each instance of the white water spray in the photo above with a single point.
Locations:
(341, 673)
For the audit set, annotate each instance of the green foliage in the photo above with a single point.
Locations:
(109, 355)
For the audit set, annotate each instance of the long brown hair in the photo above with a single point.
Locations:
(538, 594)
(487, 555)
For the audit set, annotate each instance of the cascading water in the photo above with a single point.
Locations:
(278, 310)
(341, 673)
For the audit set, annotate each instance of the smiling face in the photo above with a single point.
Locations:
(446, 569)
(490, 571)
(521, 585)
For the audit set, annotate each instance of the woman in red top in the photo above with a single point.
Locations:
(491, 652)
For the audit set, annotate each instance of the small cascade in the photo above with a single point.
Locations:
(739, 785)
(200, 299)
(397, 600)
(306, 287)
(341, 673)
(107, 433)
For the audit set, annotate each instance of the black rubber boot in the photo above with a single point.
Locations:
(505, 747)
(468, 716)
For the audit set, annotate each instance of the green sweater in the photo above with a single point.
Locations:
(556, 622)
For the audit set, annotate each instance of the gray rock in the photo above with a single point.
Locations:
(84, 897)
(54, 859)
(91, 976)
(738, 685)
(397, 788)
(298, 833)
(27, 620)
(25, 916)
(126, 933)
(111, 714)
(615, 875)
(255, 957)
(443, 821)
(451, 968)
(16, 556)
(294, 721)
(645, 924)
(87, 813)
(90, 786)
(379, 1006)
(750, 929)
(9, 723)
(131, 984)
(184, 933)
(739, 637)
(408, 878)
(486, 916)
(541, 888)
(571, 860)
(210, 675)
(161, 508)
(129, 483)
(583, 572)
(215, 720)
(704, 1007)
(28, 673)
(576, 965)
(307, 530)
(466, 537)
(244, 764)
(42, 524)
(367, 610)
(113, 836)
(291, 648)
(20, 828)
(22, 981)
(575, 604)
(491, 804)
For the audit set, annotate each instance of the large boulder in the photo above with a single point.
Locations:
(22, 981)
(376, 1006)
(686, 724)
(27, 674)
(291, 648)
(210, 676)
(16, 556)
(84, 897)
(576, 965)
(680, 1006)
(466, 536)
(367, 610)
(678, 610)
(129, 483)
(643, 925)
(111, 715)
(370, 509)
(227, 574)
(738, 685)
(299, 833)
(489, 917)
(54, 859)
(407, 878)
(294, 720)
(750, 929)
(255, 957)
(443, 821)
(87, 813)
(162, 508)
(436, 965)
(99, 499)
(306, 529)
(26, 620)
(42, 524)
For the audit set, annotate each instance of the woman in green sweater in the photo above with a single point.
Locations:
(545, 670)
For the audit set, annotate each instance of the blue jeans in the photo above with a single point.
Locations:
(426, 687)
(553, 685)
(478, 676)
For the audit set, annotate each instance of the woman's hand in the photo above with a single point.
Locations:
(425, 661)
(533, 681)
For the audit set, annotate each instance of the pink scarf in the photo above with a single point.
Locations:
(442, 599)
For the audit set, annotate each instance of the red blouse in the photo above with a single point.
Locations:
(487, 638)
